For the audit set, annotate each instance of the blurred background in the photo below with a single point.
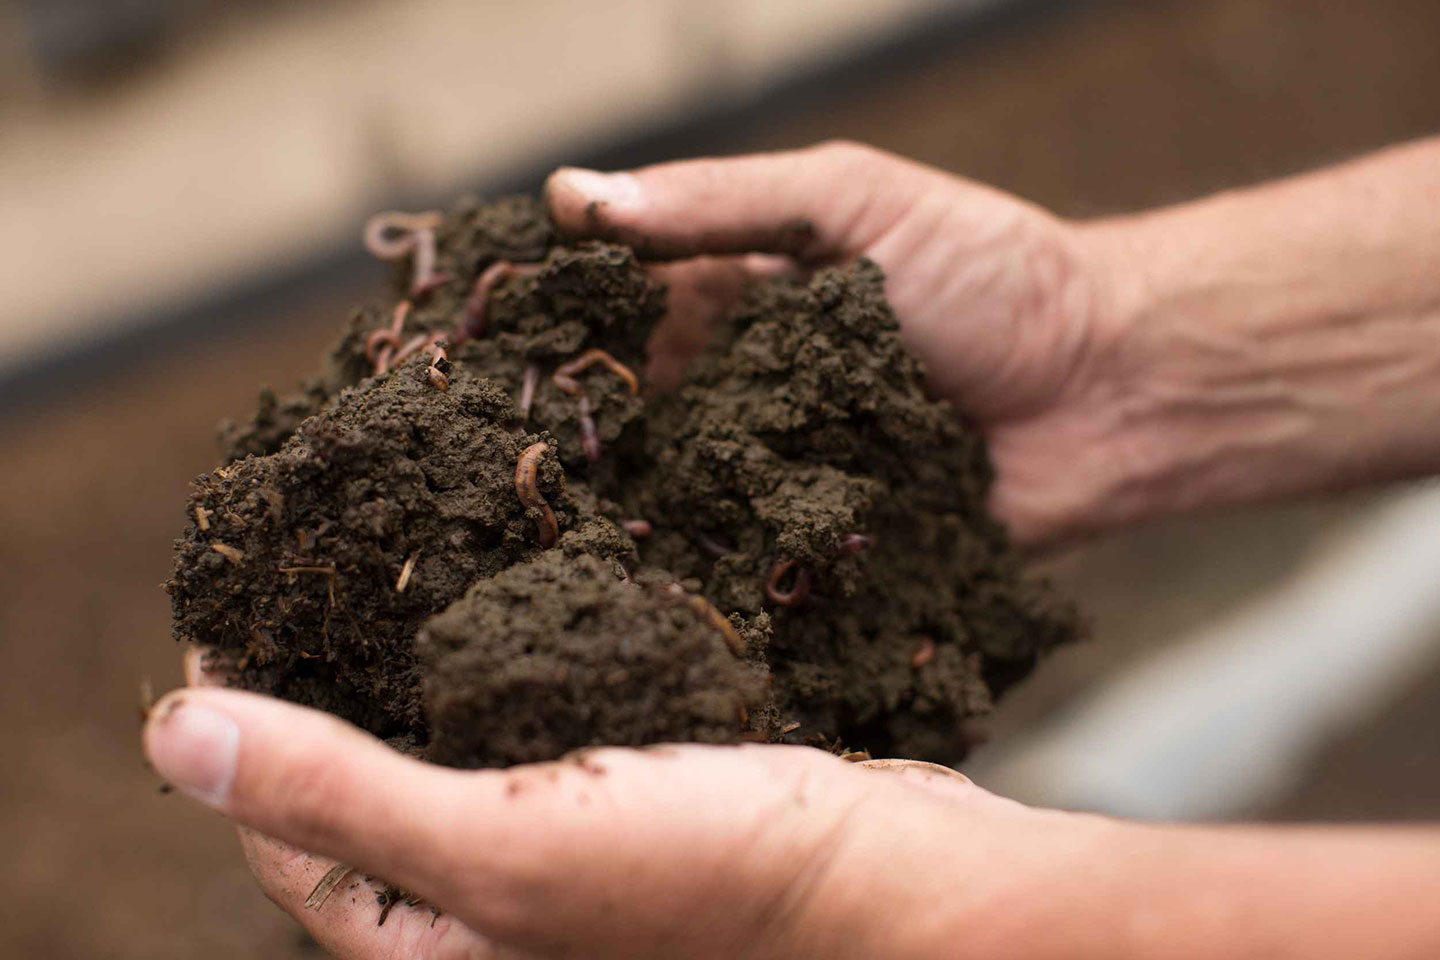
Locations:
(181, 188)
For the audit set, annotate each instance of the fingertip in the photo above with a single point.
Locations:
(584, 201)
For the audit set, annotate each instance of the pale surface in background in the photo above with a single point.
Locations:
(272, 140)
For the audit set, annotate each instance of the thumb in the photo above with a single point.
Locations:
(306, 778)
(822, 203)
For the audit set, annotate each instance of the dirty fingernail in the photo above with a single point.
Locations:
(194, 747)
(618, 191)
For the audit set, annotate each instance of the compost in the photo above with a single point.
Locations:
(477, 534)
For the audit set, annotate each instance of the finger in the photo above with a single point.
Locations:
(306, 778)
(825, 202)
(701, 294)
(346, 923)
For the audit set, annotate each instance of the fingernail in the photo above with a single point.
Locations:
(194, 747)
(615, 190)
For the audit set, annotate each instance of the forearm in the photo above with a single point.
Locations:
(1136, 892)
(1278, 339)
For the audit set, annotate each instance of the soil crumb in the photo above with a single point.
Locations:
(811, 559)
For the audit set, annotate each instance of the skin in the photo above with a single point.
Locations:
(1252, 345)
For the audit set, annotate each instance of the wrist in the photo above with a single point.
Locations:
(1244, 370)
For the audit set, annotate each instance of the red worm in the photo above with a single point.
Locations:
(528, 383)
(392, 235)
(478, 302)
(797, 593)
(639, 529)
(564, 376)
(527, 488)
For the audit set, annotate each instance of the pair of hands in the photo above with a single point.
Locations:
(693, 851)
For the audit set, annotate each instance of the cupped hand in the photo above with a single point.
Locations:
(675, 851)
(1013, 310)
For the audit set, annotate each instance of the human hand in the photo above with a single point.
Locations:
(676, 851)
(1011, 309)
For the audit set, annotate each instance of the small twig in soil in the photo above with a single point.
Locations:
(798, 591)
(326, 569)
(790, 727)
(202, 518)
(856, 756)
(392, 235)
(332, 879)
(638, 529)
(406, 572)
(478, 302)
(924, 653)
(527, 488)
(528, 383)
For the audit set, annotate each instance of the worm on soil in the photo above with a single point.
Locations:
(528, 383)
(437, 377)
(589, 438)
(711, 546)
(797, 593)
(853, 543)
(527, 488)
(477, 303)
(381, 345)
(639, 529)
(707, 611)
(564, 375)
(924, 653)
(392, 235)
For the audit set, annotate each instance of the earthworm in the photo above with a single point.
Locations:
(924, 653)
(381, 345)
(392, 235)
(564, 375)
(713, 547)
(527, 488)
(437, 376)
(528, 383)
(479, 299)
(639, 529)
(853, 543)
(796, 594)
(707, 611)
(589, 438)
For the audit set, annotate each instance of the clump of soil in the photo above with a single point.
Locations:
(811, 559)
(803, 453)
(309, 570)
(576, 657)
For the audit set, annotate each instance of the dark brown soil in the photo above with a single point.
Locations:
(575, 657)
(800, 480)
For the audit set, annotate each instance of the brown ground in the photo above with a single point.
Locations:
(1089, 110)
